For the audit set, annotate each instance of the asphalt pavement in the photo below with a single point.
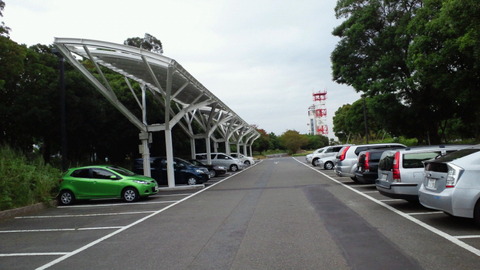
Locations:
(278, 214)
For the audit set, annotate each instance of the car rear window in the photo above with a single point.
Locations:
(375, 156)
(415, 160)
(386, 162)
(458, 154)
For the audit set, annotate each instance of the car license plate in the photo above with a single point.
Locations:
(431, 183)
(383, 177)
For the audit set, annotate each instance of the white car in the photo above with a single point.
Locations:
(327, 151)
(245, 159)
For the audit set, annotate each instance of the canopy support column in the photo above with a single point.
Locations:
(168, 129)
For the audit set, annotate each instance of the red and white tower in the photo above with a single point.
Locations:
(317, 114)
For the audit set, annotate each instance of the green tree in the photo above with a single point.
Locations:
(293, 141)
(263, 142)
(316, 141)
(372, 57)
(446, 57)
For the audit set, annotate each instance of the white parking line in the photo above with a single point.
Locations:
(391, 200)
(113, 204)
(33, 254)
(371, 191)
(93, 243)
(63, 230)
(425, 213)
(363, 186)
(171, 195)
(467, 236)
(88, 215)
(434, 230)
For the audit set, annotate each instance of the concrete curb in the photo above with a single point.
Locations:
(6, 214)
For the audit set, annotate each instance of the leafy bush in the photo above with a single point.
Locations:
(24, 182)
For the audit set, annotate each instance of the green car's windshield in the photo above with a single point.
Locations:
(122, 171)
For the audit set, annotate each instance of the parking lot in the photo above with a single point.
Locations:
(278, 214)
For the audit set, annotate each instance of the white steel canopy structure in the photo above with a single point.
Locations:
(185, 100)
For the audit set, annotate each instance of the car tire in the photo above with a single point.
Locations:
(130, 194)
(212, 173)
(247, 162)
(315, 162)
(476, 213)
(66, 197)
(355, 179)
(328, 165)
(191, 180)
(233, 168)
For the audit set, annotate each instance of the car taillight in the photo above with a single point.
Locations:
(452, 175)
(366, 164)
(343, 153)
(396, 168)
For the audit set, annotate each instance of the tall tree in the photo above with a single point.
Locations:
(372, 56)
(148, 42)
(4, 30)
(446, 57)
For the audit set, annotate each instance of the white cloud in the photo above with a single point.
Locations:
(263, 58)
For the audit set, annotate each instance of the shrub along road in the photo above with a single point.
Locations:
(278, 214)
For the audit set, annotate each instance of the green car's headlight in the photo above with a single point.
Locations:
(141, 182)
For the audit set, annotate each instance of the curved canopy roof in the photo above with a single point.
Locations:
(158, 73)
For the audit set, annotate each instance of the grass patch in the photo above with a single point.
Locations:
(25, 182)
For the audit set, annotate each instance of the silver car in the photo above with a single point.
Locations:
(326, 163)
(401, 171)
(222, 159)
(347, 157)
(452, 185)
(247, 161)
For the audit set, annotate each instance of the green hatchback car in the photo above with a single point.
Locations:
(95, 182)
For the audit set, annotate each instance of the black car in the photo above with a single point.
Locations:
(214, 170)
(185, 172)
(367, 165)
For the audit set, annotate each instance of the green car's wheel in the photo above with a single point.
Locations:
(130, 194)
(66, 197)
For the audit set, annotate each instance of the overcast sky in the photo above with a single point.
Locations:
(262, 58)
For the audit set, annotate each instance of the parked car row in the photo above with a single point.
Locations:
(441, 177)
(95, 182)
(347, 158)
